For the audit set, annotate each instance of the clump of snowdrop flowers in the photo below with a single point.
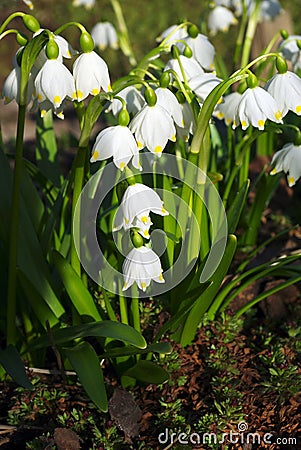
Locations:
(288, 160)
(255, 106)
(104, 35)
(152, 125)
(90, 71)
(285, 87)
(119, 142)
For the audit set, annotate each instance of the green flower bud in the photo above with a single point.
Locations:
(193, 31)
(180, 97)
(150, 96)
(297, 139)
(52, 49)
(175, 52)
(252, 81)
(31, 23)
(281, 64)
(164, 80)
(137, 239)
(21, 39)
(123, 118)
(86, 42)
(284, 34)
(187, 52)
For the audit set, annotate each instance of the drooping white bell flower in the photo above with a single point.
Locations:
(219, 19)
(117, 142)
(226, 109)
(104, 35)
(11, 85)
(153, 126)
(137, 203)
(86, 3)
(91, 74)
(189, 122)
(174, 32)
(169, 101)
(288, 159)
(204, 84)
(142, 265)
(190, 67)
(133, 98)
(269, 9)
(290, 51)
(256, 105)
(202, 50)
(54, 82)
(286, 90)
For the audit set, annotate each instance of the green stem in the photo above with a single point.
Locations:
(14, 231)
(251, 28)
(124, 39)
(135, 314)
(123, 306)
(79, 175)
(9, 19)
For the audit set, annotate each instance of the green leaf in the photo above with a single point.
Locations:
(237, 207)
(85, 362)
(12, 363)
(37, 303)
(46, 149)
(202, 304)
(162, 348)
(147, 372)
(92, 113)
(105, 328)
(77, 291)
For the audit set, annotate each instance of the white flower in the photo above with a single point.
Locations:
(86, 3)
(11, 86)
(190, 67)
(104, 35)
(174, 32)
(202, 50)
(203, 84)
(119, 142)
(54, 82)
(226, 109)
(219, 19)
(46, 105)
(91, 74)
(28, 3)
(256, 106)
(288, 159)
(65, 50)
(291, 51)
(142, 265)
(286, 90)
(137, 203)
(269, 9)
(169, 102)
(153, 127)
(189, 122)
(133, 98)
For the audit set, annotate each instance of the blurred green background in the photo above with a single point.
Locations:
(145, 20)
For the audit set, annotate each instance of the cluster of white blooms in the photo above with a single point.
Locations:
(51, 83)
(224, 13)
